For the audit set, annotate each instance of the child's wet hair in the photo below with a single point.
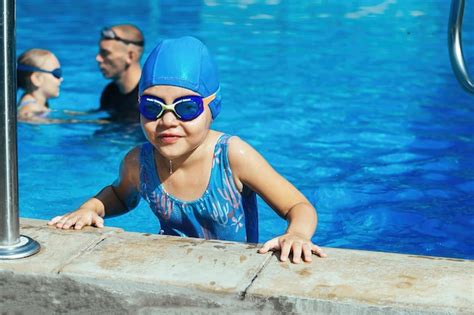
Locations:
(35, 58)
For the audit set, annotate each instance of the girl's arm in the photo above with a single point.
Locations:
(251, 169)
(113, 200)
(45, 120)
(37, 118)
(33, 114)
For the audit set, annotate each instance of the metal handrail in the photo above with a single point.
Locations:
(12, 244)
(455, 45)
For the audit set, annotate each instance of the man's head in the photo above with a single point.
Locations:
(186, 63)
(120, 47)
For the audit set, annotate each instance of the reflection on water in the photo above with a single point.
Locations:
(119, 132)
(176, 19)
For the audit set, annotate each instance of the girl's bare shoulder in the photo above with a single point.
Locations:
(130, 167)
(132, 158)
(239, 150)
(28, 108)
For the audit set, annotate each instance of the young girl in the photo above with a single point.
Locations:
(39, 75)
(199, 182)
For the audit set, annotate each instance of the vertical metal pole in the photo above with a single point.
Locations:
(9, 224)
(12, 245)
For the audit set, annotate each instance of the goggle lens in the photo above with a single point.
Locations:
(57, 73)
(189, 109)
(150, 109)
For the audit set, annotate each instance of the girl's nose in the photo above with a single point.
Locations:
(169, 119)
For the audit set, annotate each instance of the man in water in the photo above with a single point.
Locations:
(120, 51)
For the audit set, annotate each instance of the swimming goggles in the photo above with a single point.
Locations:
(57, 73)
(108, 33)
(185, 108)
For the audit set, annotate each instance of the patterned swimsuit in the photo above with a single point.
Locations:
(222, 212)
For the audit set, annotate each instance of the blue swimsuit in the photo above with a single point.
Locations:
(222, 212)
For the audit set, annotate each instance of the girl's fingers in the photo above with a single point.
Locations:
(285, 249)
(61, 222)
(300, 249)
(99, 221)
(296, 252)
(318, 251)
(54, 220)
(271, 244)
(307, 253)
(77, 220)
(80, 224)
(265, 248)
(69, 222)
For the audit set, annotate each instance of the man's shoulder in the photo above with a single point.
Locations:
(120, 106)
(108, 95)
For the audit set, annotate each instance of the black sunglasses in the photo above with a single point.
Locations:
(57, 73)
(108, 33)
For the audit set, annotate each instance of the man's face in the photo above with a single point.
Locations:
(112, 58)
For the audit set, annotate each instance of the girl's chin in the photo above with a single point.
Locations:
(168, 152)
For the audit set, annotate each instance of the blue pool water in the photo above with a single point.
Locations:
(353, 101)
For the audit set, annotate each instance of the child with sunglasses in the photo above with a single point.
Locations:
(199, 182)
(39, 75)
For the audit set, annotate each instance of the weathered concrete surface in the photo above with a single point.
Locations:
(108, 271)
(369, 282)
(171, 271)
(171, 261)
(33, 285)
(57, 247)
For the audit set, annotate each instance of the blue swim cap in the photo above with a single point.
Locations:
(184, 62)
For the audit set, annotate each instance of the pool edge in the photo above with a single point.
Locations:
(112, 271)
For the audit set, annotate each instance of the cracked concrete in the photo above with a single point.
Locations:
(109, 271)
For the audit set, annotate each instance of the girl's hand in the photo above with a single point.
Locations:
(295, 244)
(77, 219)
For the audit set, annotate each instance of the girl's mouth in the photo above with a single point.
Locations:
(168, 138)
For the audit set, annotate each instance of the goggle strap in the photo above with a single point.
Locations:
(56, 72)
(23, 67)
(108, 33)
(210, 98)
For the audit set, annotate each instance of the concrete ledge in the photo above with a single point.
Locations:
(109, 271)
